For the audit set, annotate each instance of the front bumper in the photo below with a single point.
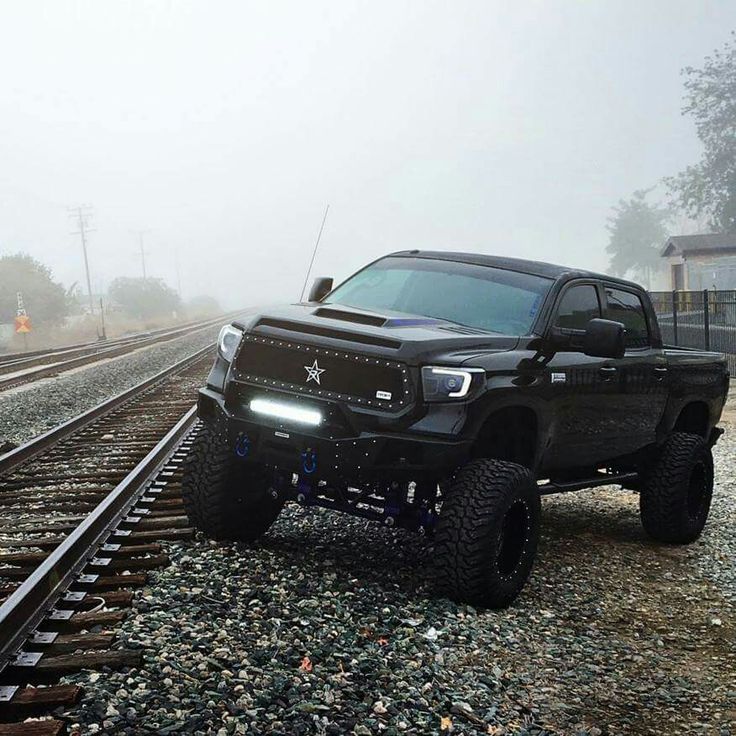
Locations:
(367, 454)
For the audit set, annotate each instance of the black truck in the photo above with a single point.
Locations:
(445, 393)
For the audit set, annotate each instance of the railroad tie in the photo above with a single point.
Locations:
(45, 494)
(48, 727)
(29, 701)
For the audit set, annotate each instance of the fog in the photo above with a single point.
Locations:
(223, 129)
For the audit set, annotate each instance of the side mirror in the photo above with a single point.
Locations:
(604, 338)
(321, 287)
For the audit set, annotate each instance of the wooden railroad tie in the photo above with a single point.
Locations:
(28, 701)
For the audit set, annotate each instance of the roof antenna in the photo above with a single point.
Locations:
(314, 253)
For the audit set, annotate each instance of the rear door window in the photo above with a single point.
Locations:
(627, 308)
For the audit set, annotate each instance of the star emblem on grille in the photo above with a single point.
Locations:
(314, 372)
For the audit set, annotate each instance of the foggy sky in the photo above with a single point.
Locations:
(224, 128)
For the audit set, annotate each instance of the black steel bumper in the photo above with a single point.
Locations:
(292, 448)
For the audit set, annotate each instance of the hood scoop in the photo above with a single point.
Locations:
(293, 326)
(375, 320)
(357, 318)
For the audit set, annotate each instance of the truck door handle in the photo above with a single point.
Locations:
(608, 372)
(660, 372)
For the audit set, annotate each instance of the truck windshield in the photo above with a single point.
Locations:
(481, 297)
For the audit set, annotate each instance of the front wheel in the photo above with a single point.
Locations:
(225, 497)
(487, 533)
(675, 500)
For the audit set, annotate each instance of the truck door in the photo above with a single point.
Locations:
(642, 372)
(582, 391)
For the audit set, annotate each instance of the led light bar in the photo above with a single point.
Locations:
(285, 411)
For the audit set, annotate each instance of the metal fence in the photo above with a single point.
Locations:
(698, 319)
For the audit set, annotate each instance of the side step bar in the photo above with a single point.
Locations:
(599, 479)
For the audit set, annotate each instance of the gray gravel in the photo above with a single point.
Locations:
(327, 627)
(718, 560)
(30, 410)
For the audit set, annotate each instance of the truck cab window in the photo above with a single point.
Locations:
(578, 306)
(626, 307)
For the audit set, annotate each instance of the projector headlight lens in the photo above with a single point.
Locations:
(228, 341)
(290, 412)
(446, 384)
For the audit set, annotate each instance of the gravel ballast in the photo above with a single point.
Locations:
(34, 408)
(327, 627)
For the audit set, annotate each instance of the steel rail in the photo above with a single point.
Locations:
(18, 361)
(11, 460)
(93, 355)
(8, 358)
(28, 605)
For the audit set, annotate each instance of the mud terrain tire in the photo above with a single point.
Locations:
(675, 499)
(487, 533)
(224, 497)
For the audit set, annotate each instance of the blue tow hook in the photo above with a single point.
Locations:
(242, 445)
(309, 461)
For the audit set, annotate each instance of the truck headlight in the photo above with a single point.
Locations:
(446, 384)
(228, 341)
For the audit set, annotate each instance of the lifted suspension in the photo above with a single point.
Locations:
(409, 505)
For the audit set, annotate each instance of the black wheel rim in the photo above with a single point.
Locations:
(697, 490)
(514, 533)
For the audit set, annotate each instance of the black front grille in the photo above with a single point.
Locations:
(332, 374)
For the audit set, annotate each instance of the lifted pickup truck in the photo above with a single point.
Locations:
(445, 393)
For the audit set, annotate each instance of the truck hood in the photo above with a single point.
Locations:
(407, 338)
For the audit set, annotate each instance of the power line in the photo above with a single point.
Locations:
(81, 215)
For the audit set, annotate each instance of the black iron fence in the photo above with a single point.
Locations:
(698, 319)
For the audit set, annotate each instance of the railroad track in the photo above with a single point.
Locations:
(83, 509)
(18, 369)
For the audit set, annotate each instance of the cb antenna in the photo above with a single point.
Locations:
(314, 252)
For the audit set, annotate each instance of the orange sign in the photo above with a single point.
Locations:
(22, 324)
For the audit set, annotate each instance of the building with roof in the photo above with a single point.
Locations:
(706, 261)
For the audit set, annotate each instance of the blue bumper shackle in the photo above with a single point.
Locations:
(242, 445)
(309, 461)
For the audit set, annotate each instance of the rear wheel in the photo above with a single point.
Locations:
(487, 533)
(225, 497)
(675, 500)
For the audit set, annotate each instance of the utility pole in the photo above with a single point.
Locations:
(178, 274)
(102, 318)
(81, 216)
(142, 250)
(143, 255)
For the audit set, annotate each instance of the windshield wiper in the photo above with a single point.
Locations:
(467, 327)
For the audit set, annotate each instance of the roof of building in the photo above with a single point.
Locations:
(706, 242)
(536, 268)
